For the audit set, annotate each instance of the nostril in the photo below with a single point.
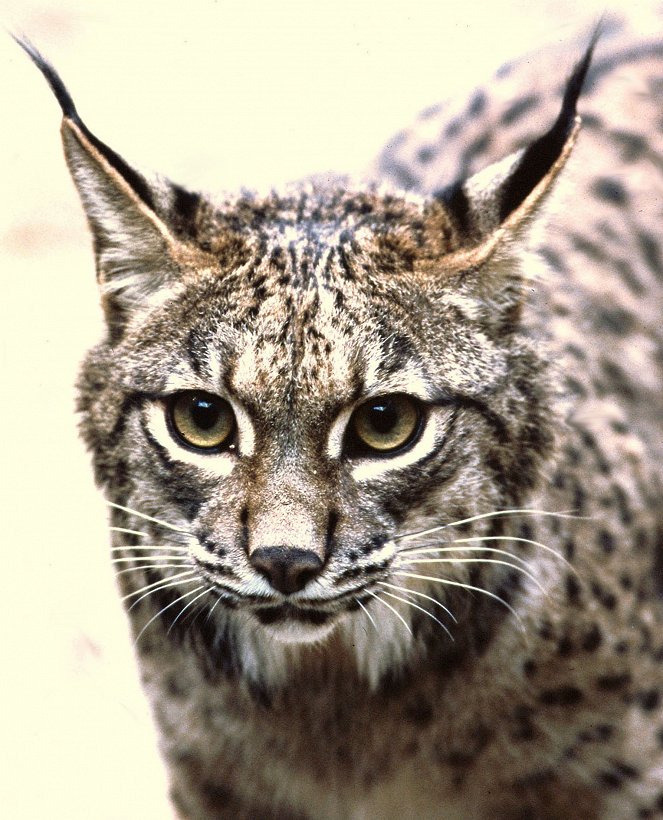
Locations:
(288, 569)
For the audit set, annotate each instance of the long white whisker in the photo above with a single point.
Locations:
(495, 514)
(447, 582)
(422, 595)
(130, 532)
(159, 547)
(370, 617)
(184, 608)
(147, 517)
(421, 609)
(157, 583)
(142, 558)
(164, 609)
(476, 561)
(396, 613)
(163, 586)
(214, 606)
(405, 554)
(545, 547)
(149, 566)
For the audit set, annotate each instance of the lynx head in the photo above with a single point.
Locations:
(292, 384)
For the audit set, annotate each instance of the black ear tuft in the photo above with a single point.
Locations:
(52, 77)
(541, 155)
(134, 179)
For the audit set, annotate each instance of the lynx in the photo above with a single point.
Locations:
(383, 461)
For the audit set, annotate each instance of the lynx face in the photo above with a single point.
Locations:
(293, 386)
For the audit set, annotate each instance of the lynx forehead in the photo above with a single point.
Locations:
(383, 465)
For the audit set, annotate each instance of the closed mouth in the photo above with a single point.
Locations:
(288, 613)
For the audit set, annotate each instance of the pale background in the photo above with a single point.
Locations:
(216, 95)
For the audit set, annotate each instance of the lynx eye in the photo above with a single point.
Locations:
(385, 424)
(201, 420)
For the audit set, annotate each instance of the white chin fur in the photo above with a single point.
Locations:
(293, 632)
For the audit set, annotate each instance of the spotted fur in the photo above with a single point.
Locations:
(478, 633)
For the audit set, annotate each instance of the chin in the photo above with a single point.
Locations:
(293, 625)
(295, 632)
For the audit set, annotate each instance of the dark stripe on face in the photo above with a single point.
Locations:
(195, 347)
(498, 425)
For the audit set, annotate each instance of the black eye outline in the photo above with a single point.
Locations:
(355, 447)
(173, 404)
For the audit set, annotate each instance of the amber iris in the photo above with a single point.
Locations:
(387, 423)
(201, 420)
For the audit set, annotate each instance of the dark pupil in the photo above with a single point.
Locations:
(383, 417)
(204, 413)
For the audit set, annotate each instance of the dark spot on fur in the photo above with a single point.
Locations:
(610, 683)
(606, 542)
(610, 780)
(477, 104)
(632, 146)
(518, 109)
(615, 320)
(649, 699)
(529, 668)
(572, 589)
(477, 147)
(593, 639)
(561, 696)
(608, 599)
(565, 646)
(426, 154)
(553, 258)
(651, 252)
(610, 190)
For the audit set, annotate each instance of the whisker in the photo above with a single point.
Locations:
(130, 532)
(370, 617)
(545, 547)
(477, 561)
(140, 558)
(147, 517)
(447, 582)
(422, 595)
(184, 608)
(128, 547)
(163, 581)
(431, 550)
(494, 514)
(395, 611)
(163, 586)
(421, 609)
(164, 609)
(214, 606)
(149, 566)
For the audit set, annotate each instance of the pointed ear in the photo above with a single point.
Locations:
(137, 252)
(134, 248)
(494, 207)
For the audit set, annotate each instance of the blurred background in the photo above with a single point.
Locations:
(215, 95)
